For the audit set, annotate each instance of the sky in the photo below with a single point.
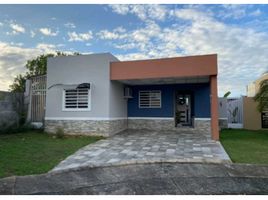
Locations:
(237, 33)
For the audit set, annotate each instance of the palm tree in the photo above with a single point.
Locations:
(262, 96)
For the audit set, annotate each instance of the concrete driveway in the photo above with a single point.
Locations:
(176, 178)
(147, 146)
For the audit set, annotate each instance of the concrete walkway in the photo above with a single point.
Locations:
(176, 178)
(146, 146)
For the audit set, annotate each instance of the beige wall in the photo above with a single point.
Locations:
(251, 116)
(251, 89)
(258, 82)
(254, 87)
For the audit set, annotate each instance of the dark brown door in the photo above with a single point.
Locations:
(183, 110)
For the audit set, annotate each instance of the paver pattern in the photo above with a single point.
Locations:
(146, 146)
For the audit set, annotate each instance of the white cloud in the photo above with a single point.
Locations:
(131, 56)
(48, 48)
(120, 29)
(157, 12)
(73, 36)
(139, 38)
(117, 33)
(107, 35)
(1, 24)
(234, 11)
(70, 25)
(191, 14)
(126, 46)
(121, 9)
(144, 12)
(16, 44)
(13, 59)
(16, 29)
(32, 34)
(256, 13)
(48, 32)
(61, 45)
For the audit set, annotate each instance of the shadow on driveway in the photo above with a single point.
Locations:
(162, 178)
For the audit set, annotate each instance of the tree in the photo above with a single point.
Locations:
(262, 96)
(18, 83)
(34, 67)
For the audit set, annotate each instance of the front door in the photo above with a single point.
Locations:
(183, 110)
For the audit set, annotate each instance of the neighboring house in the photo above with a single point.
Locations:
(248, 116)
(99, 95)
(253, 88)
(243, 112)
(253, 119)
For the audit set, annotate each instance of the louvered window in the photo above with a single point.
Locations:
(76, 99)
(150, 99)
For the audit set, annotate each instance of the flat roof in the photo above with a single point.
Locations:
(176, 67)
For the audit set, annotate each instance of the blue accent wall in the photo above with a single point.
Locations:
(200, 100)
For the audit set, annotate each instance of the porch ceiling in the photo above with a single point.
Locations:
(166, 68)
(160, 81)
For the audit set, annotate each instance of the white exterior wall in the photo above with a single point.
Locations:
(108, 107)
(106, 97)
(117, 103)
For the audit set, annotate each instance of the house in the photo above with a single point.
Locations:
(253, 88)
(252, 118)
(243, 113)
(99, 95)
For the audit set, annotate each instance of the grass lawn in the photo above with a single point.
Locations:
(245, 146)
(35, 152)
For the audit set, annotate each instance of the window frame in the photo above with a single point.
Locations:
(75, 109)
(150, 106)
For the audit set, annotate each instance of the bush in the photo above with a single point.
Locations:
(59, 133)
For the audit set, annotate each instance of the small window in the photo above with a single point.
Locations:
(150, 99)
(76, 99)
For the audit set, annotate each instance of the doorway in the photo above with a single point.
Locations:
(182, 109)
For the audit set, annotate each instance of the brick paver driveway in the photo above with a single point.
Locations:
(147, 146)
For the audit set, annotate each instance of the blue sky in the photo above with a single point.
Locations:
(237, 33)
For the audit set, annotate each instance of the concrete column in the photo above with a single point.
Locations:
(214, 108)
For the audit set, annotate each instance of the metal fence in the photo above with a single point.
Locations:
(235, 113)
(37, 102)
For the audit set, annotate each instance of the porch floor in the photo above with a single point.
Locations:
(147, 146)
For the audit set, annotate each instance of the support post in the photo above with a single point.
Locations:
(214, 108)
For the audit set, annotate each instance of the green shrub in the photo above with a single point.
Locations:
(59, 133)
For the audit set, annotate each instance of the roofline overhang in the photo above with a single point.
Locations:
(176, 67)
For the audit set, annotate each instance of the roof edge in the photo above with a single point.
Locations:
(164, 58)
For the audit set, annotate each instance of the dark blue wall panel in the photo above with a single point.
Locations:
(200, 100)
